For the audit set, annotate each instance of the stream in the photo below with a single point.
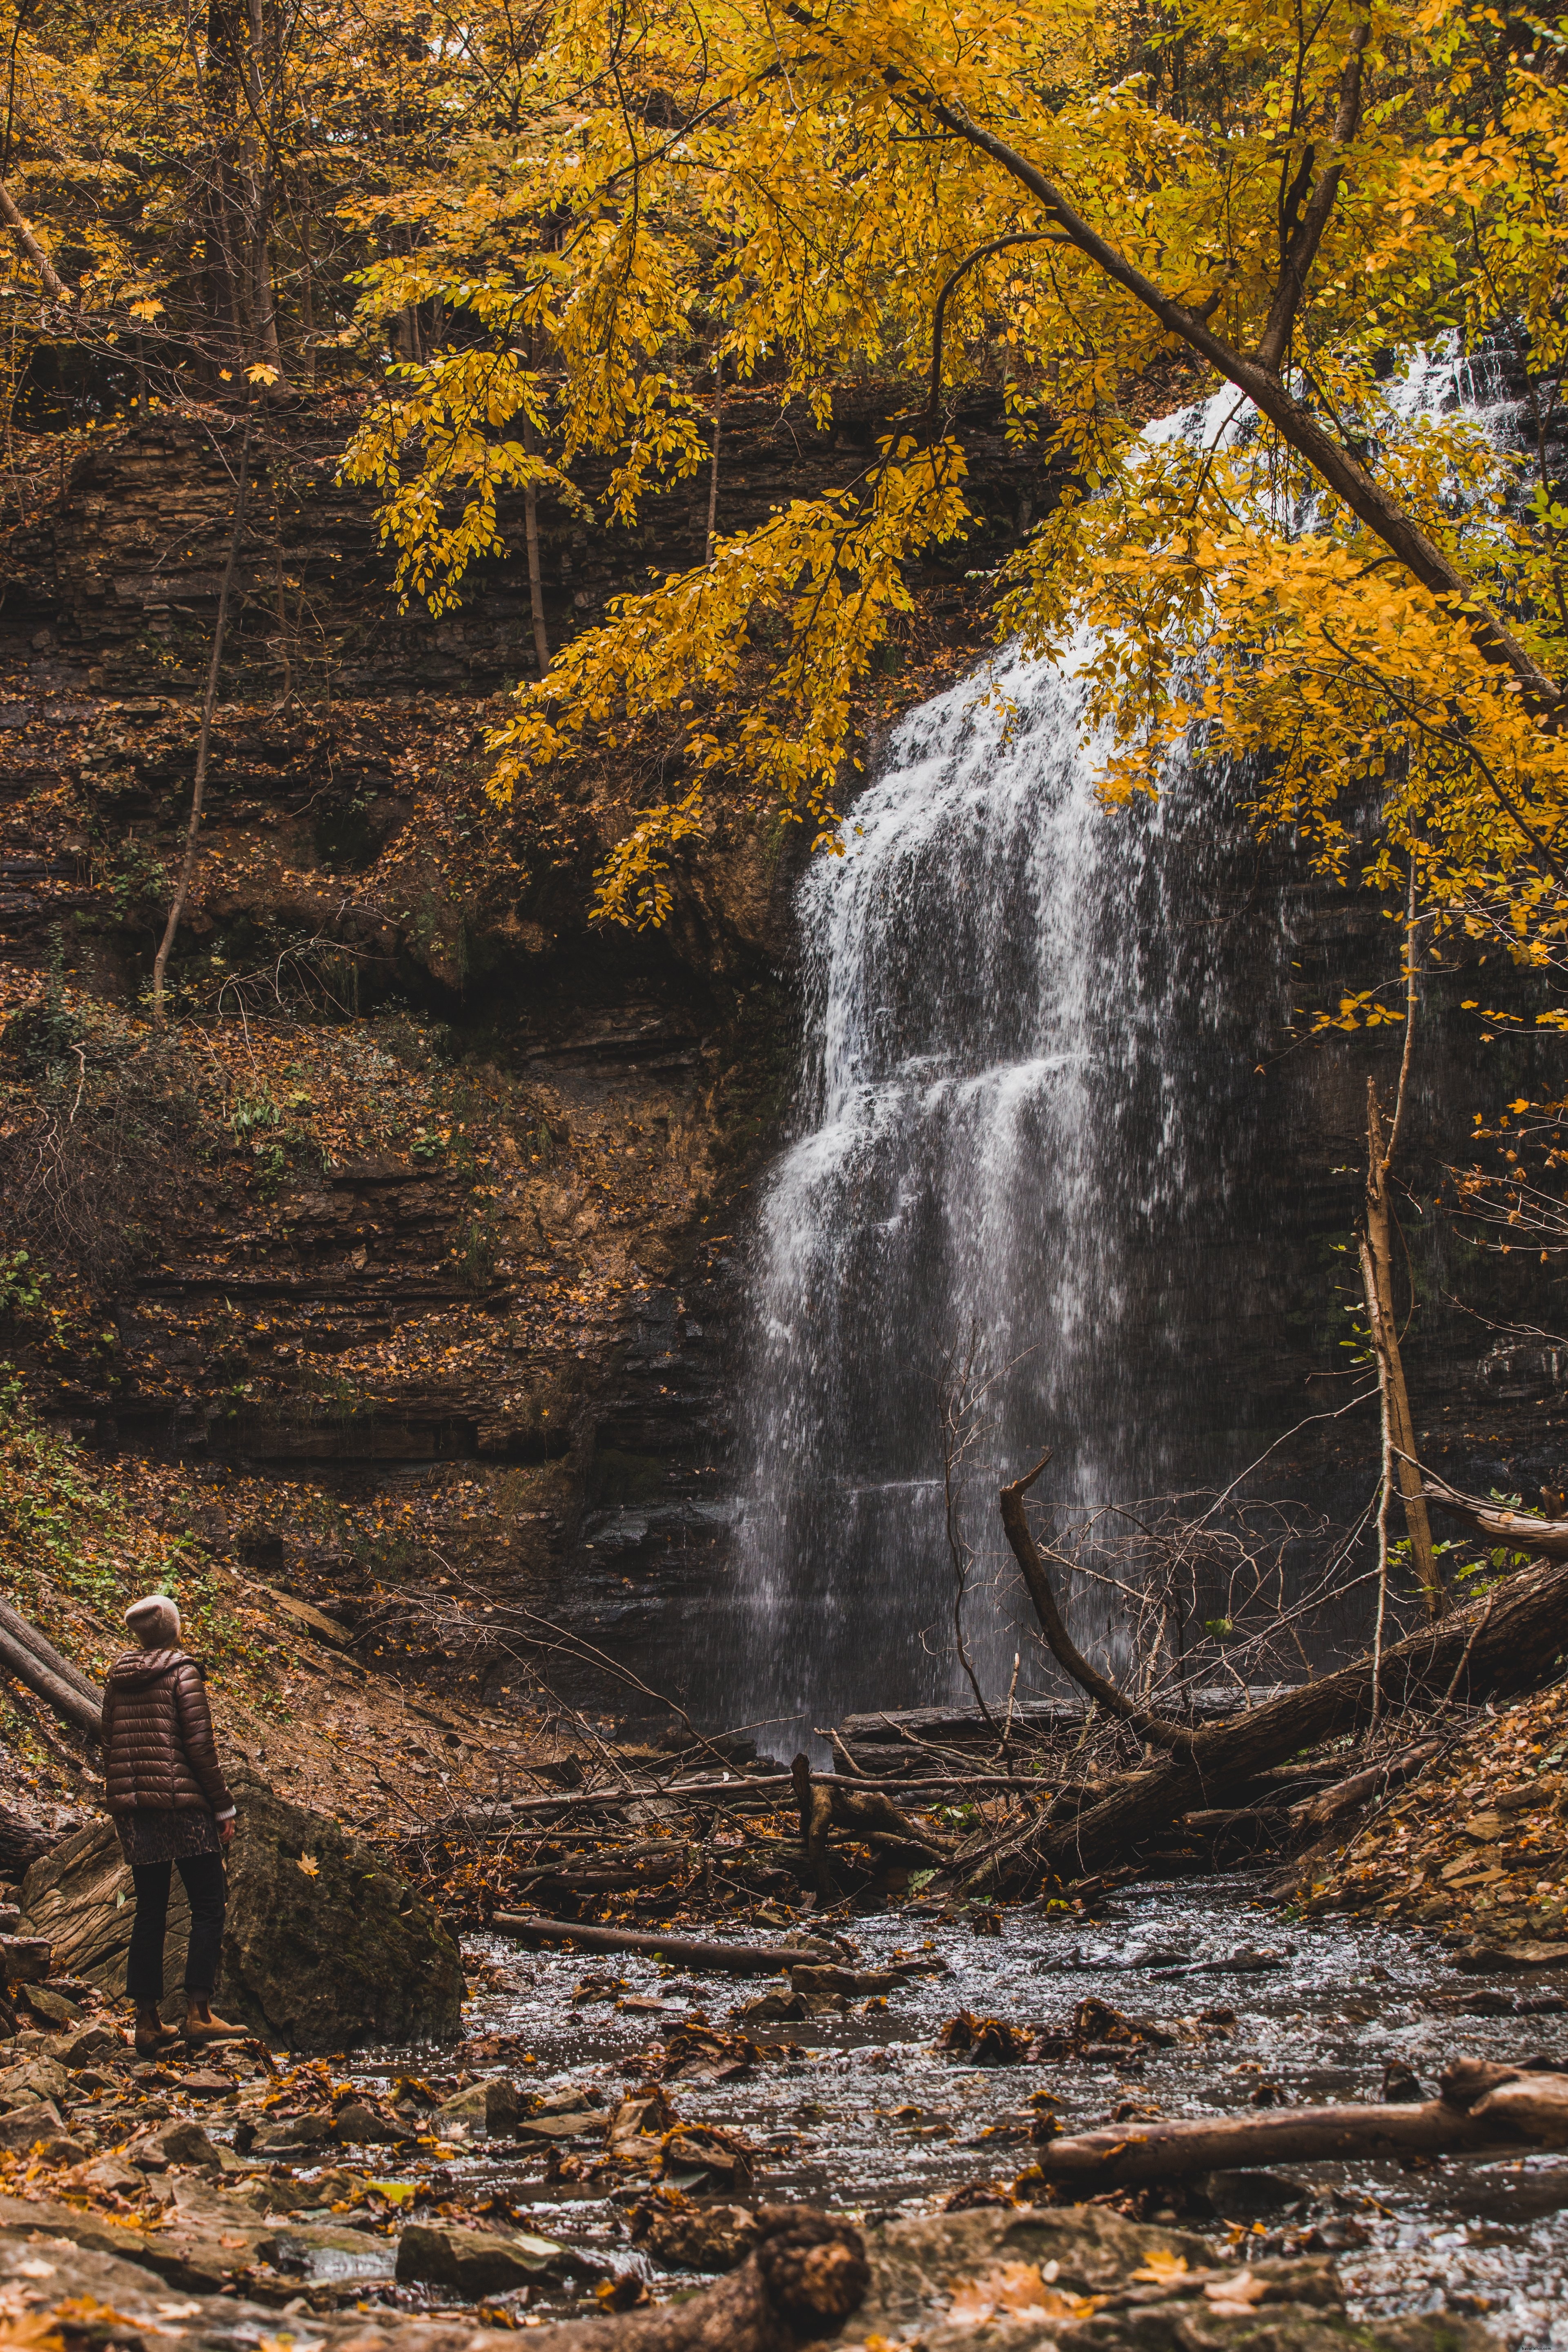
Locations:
(869, 2116)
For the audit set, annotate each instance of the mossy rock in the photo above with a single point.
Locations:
(314, 1959)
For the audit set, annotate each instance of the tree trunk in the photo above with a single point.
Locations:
(531, 533)
(203, 740)
(1385, 1340)
(53, 284)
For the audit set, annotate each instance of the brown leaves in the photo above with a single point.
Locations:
(984, 2041)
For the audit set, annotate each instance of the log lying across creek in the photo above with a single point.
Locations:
(1511, 1640)
(689, 1951)
(1482, 2107)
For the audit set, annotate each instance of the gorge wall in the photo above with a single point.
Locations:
(423, 1248)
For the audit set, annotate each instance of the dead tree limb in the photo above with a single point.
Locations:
(1317, 1812)
(691, 1951)
(1481, 2108)
(1510, 1641)
(1036, 1579)
(1495, 1522)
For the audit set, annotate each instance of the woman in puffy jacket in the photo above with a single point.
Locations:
(171, 1808)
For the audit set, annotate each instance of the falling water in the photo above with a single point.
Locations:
(1028, 1110)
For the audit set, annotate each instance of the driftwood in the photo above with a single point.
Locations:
(803, 2280)
(691, 1951)
(1496, 1522)
(1510, 1639)
(1482, 2106)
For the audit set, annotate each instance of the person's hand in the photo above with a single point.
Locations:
(226, 1831)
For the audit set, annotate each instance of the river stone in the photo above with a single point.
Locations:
(21, 2127)
(471, 2263)
(489, 2107)
(314, 1959)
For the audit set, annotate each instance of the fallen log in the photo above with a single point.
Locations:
(66, 1701)
(22, 1629)
(798, 2285)
(691, 1951)
(763, 1785)
(1496, 1522)
(1317, 1812)
(1482, 2107)
(1510, 1639)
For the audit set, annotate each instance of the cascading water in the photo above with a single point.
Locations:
(1029, 1110)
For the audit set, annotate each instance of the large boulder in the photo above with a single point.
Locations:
(325, 1943)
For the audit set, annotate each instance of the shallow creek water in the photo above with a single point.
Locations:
(871, 2118)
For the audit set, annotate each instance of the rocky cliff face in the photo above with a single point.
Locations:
(427, 1209)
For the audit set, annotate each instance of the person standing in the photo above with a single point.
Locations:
(171, 1805)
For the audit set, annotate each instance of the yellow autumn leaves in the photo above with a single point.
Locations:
(782, 199)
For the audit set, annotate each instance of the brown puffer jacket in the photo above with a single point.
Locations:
(158, 1750)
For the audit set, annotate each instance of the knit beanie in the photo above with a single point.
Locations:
(155, 1622)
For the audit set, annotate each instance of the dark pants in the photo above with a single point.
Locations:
(207, 1893)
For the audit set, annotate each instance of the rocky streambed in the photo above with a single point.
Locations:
(607, 2129)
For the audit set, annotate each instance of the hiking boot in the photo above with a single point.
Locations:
(201, 2031)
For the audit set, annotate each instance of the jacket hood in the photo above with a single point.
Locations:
(134, 1669)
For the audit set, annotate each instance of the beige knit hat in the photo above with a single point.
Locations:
(155, 1622)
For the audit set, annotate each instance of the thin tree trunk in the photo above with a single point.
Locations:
(531, 533)
(1378, 1261)
(713, 477)
(203, 740)
(1385, 1472)
(54, 284)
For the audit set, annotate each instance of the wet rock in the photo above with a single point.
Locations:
(181, 2142)
(471, 2263)
(702, 2156)
(50, 2008)
(1480, 1959)
(317, 1958)
(644, 2118)
(580, 2123)
(21, 2127)
(489, 2107)
(1401, 2084)
(1251, 2196)
(291, 2135)
(89, 2042)
(322, 2254)
(668, 2227)
(359, 2126)
(34, 2079)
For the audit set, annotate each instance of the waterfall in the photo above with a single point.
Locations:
(1029, 1106)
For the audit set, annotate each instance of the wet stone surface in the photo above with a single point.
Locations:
(863, 2111)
